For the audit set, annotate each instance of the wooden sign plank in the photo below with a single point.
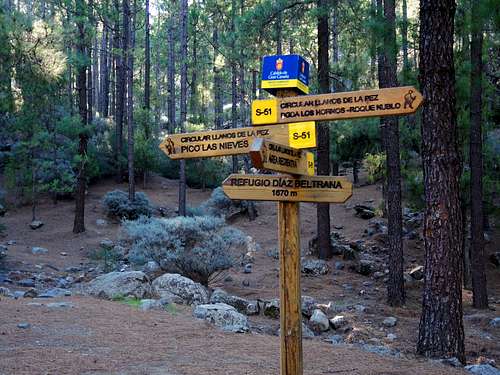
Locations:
(337, 106)
(280, 158)
(327, 189)
(236, 141)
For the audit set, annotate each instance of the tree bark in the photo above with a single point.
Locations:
(218, 109)
(234, 80)
(171, 74)
(390, 138)
(479, 290)
(120, 66)
(323, 131)
(404, 41)
(183, 104)
(81, 86)
(147, 66)
(130, 100)
(441, 331)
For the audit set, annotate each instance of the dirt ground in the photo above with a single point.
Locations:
(100, 337)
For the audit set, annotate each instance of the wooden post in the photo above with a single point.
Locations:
(290, 300)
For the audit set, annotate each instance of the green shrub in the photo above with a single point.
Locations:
(108, 257)
(118, 205)
(218, 204)
(375, 166)
(197, 247)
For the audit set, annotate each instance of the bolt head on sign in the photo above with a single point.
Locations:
(285, 72)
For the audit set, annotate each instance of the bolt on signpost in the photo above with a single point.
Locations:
(283, 127)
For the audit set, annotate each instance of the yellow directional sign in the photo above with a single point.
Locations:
(236, 141)
(327, 189)
(280, 158)
(337, 106)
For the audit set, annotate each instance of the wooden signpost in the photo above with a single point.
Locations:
(279, 158)
(237, 141)
(337, 106)
(287, 188)
(277, 147)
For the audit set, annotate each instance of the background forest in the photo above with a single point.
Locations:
(90, 88)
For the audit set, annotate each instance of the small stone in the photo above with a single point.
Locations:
(5, 291)
(365, 267)
(107, 244)
(495, 322)
(11, 242)
(149, 304)
(27, 283)
(482, 370)
(378, 275)
(336, 339)
(63, 253)
(319, 321)
(417, 273)
(360, 308)
(390, 321)
(23, 325)
(338, 321)
(101, 223)
(30, 293)
(246, 282)
(19, 294)
(308, 305)
(35, 224)
(39, 250)
(314, 267)
(247, 268)
(349, 253)
(60, 305)
(54, 292)
(391, 337)
(151, 267)
(339, 266)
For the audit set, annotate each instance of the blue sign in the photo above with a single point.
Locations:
(285, 72)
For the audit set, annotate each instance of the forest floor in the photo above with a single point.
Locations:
(94, 336)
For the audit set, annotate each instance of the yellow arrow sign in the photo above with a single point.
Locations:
(286, 188)
(337, 106)
(280, 158)
(236, 141)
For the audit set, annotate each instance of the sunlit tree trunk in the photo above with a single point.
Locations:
(183, 104)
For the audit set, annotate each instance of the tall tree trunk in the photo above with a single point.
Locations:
(390, 135)
(95, 75)
(441, 331)
(158, 90)
(323, 132)
(130, 98)
(335, 42)
(171, 74)
(120, 45)
(81, 86)
(147, 71)
(103, 73)
(234, 79)
(480, 293)
(218, 106)
(193, 99)
(404, 41)
(183, 104)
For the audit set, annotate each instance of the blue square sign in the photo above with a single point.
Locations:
(285, 72)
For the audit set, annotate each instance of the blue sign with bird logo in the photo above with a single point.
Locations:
(285, 72)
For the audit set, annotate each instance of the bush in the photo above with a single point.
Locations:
(197, 247)
(375, 166)
(118, 205)
(219, 204)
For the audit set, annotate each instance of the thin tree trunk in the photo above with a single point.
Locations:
(218, 115)
(95, 76)
(193, 100)
(147, 71)
(120, 42)
(183, 104)
(479, 290)
(335, 41)
(234, 80)
(279, 32)
(130, 98)
(81, 86)
(171, 74)
(404, 42)
(158, 90)
(323, 132)
(466, 245)
(390, 133)
(103, 73)
(441, 331)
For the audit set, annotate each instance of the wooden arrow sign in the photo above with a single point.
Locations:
(236, 141)
(337, 106)
(286, 188)
(279, 158)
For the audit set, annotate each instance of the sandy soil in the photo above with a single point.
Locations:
(98, 337)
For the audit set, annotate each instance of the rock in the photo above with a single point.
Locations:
(5, 291)
(39, 250)
(151, 268)
(223, 316)
(314, 267)
(390, 322)
(360, 308)
(101, 223)
(3, 210)
(27, 283)
(54, 292)
(378, 275)
(60, 305)
(174, 284)
(452, 361)
(380, 350)
(11, 242)
(273, 253)
(23, 325)
(63, 253)
(150, 304)
(349, 254)
(364, 212)
(338, 321)
(339, 266)
(35, 224)
(365, 267)
(123, 284)
(495, 322)
(4, 248)
(336, 339)
(307, 305)
(391, 337)
(417, 273)
(107, 244)
(30, 293)
(482, 370)
(319, 321)
(242, 305)
(495, 258)
(272, 308)
(246, 282)
(306, 331)
(247, 268)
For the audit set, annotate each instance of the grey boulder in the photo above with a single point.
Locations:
(222, 316)
(482, 370)
(39, 250)
(314, 267)
(319, 321)
(120, 284)
(171, 285)
(242, 305)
